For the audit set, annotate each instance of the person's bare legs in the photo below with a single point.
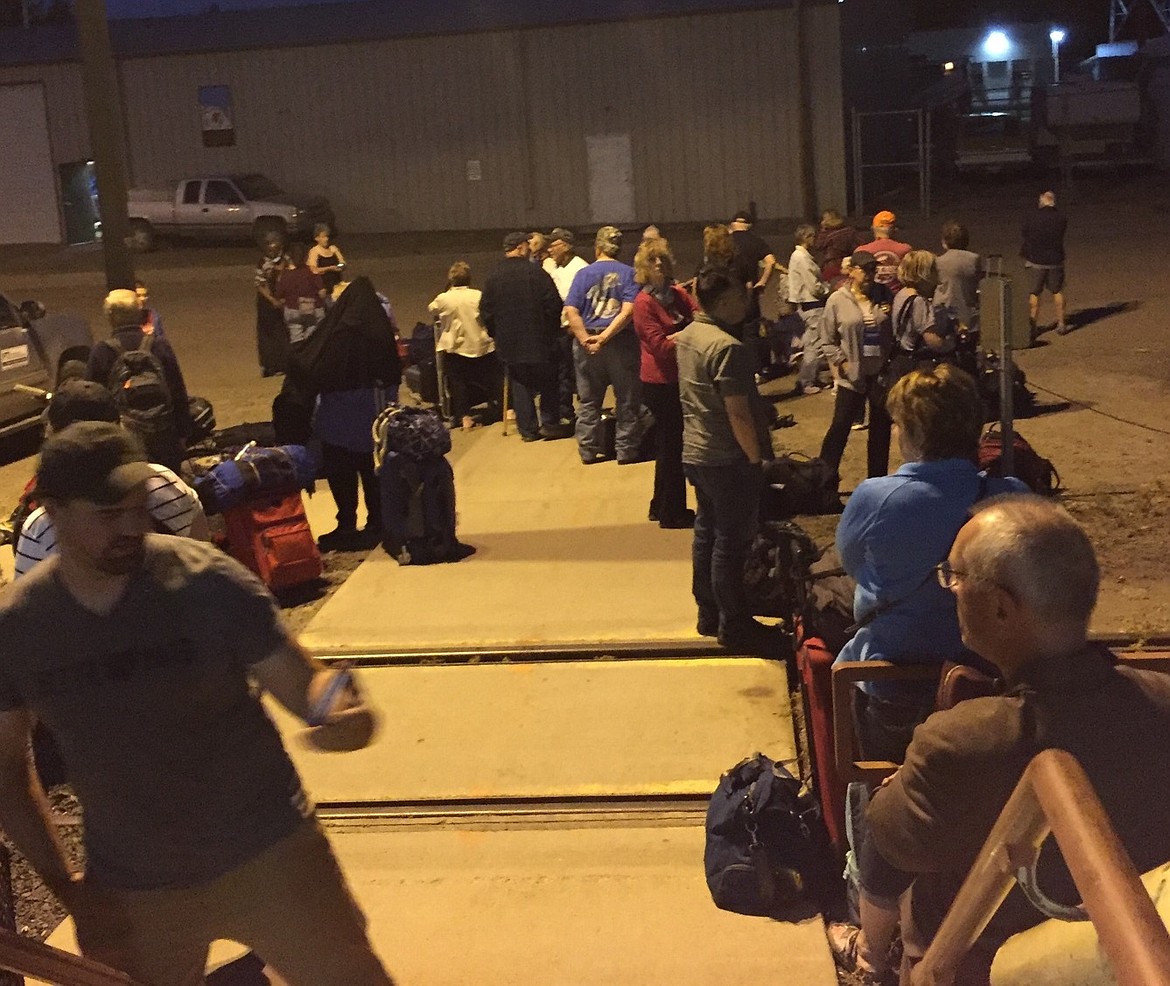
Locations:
(1033, 308)
(1058, 302)
(870, 952)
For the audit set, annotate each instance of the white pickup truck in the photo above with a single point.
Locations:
(222, 207)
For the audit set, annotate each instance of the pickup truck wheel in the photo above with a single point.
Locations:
(266, 227)
(141, 236)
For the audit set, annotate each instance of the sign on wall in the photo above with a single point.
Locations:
(215, 106)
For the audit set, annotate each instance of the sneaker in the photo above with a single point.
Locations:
(859, 426)
(530, 438)
(708, 625)
(592, 460)
(552, 433)
(1063, 330)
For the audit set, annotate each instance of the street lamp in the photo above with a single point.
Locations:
(1056, 36)
(997, 45)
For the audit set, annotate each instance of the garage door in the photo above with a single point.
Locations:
(28, 209)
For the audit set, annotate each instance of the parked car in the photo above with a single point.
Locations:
(222, 207)
(34, 348)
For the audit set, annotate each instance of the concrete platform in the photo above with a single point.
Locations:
(455, 906)
(566, 905)
(565, 555)
(551, 731)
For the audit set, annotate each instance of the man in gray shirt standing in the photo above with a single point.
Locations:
(721, 458)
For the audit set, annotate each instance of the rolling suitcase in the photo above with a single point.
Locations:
(270, 534)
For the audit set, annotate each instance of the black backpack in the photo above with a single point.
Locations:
(767, 850)
(140, 388)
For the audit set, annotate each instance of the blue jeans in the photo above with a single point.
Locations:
(529, 381)
(725, 525)
(615, 365)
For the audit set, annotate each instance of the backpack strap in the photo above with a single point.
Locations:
(147, 343)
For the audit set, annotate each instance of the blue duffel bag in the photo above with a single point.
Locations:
(256, 470)
(767, 851)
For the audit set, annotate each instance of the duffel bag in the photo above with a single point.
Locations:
(767, 848)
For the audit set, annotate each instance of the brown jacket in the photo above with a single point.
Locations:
(932, 818)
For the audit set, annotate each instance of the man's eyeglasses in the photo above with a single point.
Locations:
(948, 578)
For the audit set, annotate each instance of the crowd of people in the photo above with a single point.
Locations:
(132, 648)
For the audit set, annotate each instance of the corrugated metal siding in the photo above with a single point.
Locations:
(386, 128)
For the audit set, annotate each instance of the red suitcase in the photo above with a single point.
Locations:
(270, 534)
(815, 662)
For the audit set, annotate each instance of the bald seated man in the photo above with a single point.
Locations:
(1025, 580)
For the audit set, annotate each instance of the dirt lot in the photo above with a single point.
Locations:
(1111, 376)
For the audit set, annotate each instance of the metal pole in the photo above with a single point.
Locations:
(858, 193)
(918, 118)
(103, 110)
(929, 161)
(1006, 377)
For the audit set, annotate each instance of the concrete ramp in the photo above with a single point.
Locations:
(565, 555)
(592, 729)
(452, 905)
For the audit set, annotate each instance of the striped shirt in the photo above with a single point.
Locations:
(171, 502)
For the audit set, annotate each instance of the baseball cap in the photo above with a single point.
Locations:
(91, 460)
(80, 400)
(608, 236)
(562, 234)
(885, 218)
(513, 240)
(863, 259)
(743, 216)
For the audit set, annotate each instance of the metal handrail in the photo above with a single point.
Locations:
(28, 957)
(1054, 796)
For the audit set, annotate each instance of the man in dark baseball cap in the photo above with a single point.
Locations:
(96, 461)
(513, 241)
(140, 651)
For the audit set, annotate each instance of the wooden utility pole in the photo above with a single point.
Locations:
(103, 110)
(806, 159)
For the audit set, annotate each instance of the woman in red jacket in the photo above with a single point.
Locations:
(660, 310)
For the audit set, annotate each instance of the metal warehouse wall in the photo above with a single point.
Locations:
(387, 128)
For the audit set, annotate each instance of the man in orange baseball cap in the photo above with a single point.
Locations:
(888, 251)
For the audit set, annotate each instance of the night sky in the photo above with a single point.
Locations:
(1087, 20)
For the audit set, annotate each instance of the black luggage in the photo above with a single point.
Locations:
(418, 511)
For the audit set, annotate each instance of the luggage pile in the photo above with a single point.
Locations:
(258, 493)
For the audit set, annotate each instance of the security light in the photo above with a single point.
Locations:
(996, 45)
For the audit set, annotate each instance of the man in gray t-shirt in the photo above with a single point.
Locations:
(138, 652)
(721, 458)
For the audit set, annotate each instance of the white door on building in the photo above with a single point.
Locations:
(28, 207)
(611, 178)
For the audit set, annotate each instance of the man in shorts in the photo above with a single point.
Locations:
(1043, 253)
